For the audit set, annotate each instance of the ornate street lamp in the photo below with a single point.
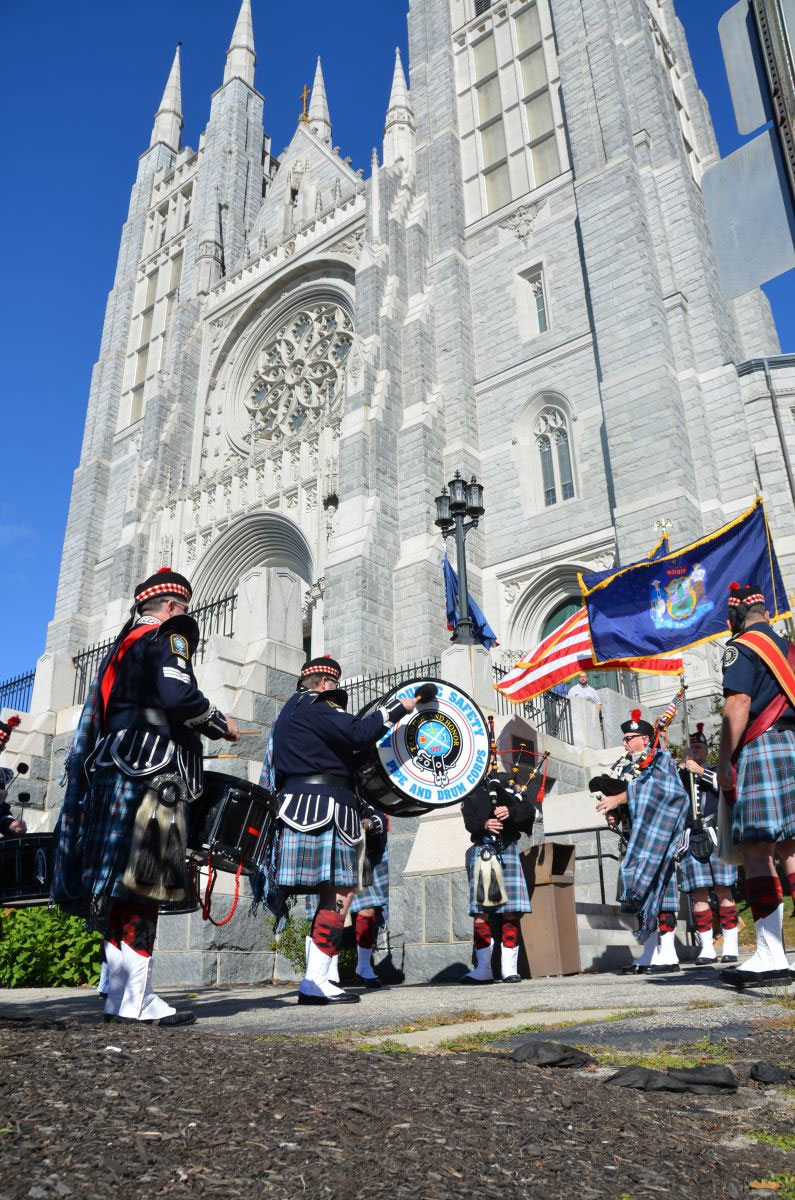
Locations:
(458, 509)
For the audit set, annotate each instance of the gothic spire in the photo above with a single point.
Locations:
(241, 57)
(400, 127)
(400, 93)
(318, 115)
(168, 119)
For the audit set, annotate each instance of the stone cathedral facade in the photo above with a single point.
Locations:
(297, 355)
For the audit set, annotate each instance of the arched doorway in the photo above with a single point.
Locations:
(264, 560)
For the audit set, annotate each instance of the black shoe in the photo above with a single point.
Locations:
(343, 998)
(707, 962)
(729, 958)
(634, 970)
(739, 978)
(363, 981)
(476, 982)
(511, 979)
(186, 1017)
(102, 995)
(662, 969)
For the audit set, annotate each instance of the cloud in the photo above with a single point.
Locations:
(15, 535)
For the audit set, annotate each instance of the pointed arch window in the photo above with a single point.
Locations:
(551, 431)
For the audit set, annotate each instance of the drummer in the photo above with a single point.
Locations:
(142, 719)
(320, 840)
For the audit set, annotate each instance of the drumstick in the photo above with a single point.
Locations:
(243, 732)
(220, 756)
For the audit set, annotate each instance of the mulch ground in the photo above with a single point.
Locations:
(108, 1111)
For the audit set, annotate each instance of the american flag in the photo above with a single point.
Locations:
(564, 653)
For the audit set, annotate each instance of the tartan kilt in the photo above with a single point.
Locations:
(765, 807)
(670, 897)
(101, 852)
(376, 895)
(712, 873)
(309, 859)
(515, 885)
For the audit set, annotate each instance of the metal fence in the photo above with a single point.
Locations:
(367, 688)
(548, 713)
(16, 692)
(217, 616)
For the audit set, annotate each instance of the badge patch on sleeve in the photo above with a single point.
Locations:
(179, 645)
(730, 656)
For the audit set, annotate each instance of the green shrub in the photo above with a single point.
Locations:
(42, 947)
(291, 943)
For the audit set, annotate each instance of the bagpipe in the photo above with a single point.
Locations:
(490, 889)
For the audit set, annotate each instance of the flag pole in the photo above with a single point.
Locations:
(691, 780)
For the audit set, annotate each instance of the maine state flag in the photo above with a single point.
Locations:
(678, 599)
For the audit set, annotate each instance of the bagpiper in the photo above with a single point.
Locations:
(698, 877)
(756, 768)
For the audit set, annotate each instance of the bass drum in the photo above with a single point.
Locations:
(26, 869)
(432, 758)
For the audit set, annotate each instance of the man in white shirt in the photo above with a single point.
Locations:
(583, 688)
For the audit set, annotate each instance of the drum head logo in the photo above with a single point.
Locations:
(437, 754)
(434, 743)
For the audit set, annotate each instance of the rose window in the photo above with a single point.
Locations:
(301, 370)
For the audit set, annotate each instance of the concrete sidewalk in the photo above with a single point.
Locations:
(685, 1005)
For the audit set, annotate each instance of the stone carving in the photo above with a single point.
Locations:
(522, 222)
(191, 545)
(217, 329)
(603, 562)
(510, 590)
(314, 594)
(301, 370)
(352, 244)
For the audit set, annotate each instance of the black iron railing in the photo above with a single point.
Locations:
(367, 688)
(86, 666)
(217, 616)
(547, 713)
(16, 692)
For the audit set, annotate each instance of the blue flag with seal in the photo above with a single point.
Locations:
(480, 626)
(679, 599)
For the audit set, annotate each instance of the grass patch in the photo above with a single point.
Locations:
(448, 1018)
(692, 1054)
(782, 1141)
(388, 1046)
(783, 1185)
(704, 1004)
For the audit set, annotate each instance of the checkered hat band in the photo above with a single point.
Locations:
(756, 598)
(319, 670)
(163, 589)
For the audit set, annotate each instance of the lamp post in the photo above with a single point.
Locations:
(458, 509)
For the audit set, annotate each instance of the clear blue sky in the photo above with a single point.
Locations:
(82, 82)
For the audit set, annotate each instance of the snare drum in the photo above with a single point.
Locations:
(229, 822)
(432, 758)
(26, 869)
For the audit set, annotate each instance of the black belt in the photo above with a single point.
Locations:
(137, 718)
(301, 782)
(787, 725)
